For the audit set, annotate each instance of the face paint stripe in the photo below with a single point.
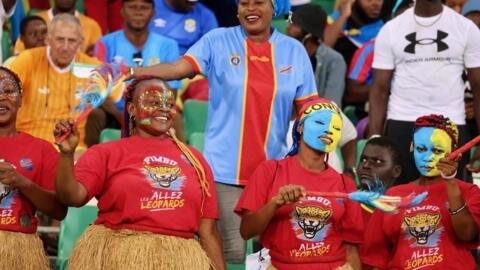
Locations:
(429, 138)
(260, 87)
(319, 124)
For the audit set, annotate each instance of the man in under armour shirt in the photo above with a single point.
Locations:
(418, 63)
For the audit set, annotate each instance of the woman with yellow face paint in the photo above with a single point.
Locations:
(439, 232)
(301, 229)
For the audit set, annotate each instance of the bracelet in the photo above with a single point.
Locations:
(374, 136)
(449, 176)
(131, 72)
(458, 210)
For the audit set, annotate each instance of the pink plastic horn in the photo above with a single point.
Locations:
(464, 148)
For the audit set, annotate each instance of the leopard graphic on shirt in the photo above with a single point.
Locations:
(312, 219)
(422, 226)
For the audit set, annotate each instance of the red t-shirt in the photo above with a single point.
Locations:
(421, 237)
(310, 234)
(35, 159)
(146, 184)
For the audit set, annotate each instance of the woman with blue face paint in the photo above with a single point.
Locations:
(301, 229)
(254, 86)
(439, 232)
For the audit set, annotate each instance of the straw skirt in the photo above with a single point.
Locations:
(343, 267)
(103, 248)
(22, 251)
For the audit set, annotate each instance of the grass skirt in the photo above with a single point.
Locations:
(22, 251)
(102, 248)
(346, 266)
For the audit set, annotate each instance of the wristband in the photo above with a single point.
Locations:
(374, 136)
(131, 72)
(449, 176)
(458, 210)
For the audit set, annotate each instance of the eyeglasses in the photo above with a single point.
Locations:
(11, 94)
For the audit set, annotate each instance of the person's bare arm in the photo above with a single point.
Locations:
(69, 191)
(357, 92)
(255, 223)
(167, 71)
(333, 30)
(378, 98)
(211, 242)
(44, 200)
(463, 223)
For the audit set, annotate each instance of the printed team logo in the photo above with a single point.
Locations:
(423, 231)
(26, 164)
(163, 173)
(162, 176)
(4, 192)
(413, 42)
(235, 59)
(311, 222)
(153, 61)
(190, 25)
(423, 228)
(160, 23)
(44, 90)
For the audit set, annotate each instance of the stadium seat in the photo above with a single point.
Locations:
(349, 111)
(110, 134)
(360, 145)
(327, 5)
(241, 266)
(196, 140)
(194, 116)
(280, 24)
(71, 228)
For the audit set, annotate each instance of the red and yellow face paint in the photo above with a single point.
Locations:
(152, 100)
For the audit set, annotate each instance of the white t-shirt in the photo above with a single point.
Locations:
(4, 17)
(428, 56)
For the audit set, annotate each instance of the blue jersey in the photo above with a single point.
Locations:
(157, 49)
(253, 89)
(361, 35)
(185, 28)
(361, 64)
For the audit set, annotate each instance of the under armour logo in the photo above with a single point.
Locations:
(441, 46)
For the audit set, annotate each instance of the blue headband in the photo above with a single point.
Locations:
(280, 7)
